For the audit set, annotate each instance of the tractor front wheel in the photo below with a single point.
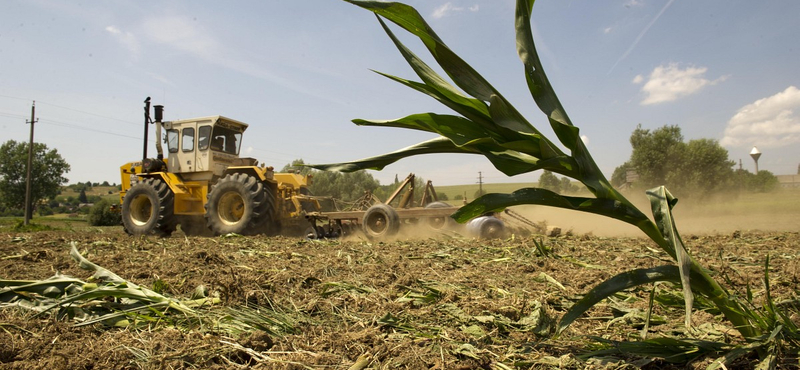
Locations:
(147, 209)
(238, 204)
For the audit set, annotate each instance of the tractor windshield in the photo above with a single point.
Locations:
(226, 140)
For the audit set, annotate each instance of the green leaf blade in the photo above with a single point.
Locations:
(625, 280)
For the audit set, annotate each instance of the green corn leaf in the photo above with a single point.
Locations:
(538, 84)
(477, 115)
(616, 284)
(670, 349)
(11, 288)
(459, 71)
(409, 19)
(734, 354)
(99, 272)
(437, 145)
(459, 130)
(661, 201)
(509, 162)
(546, 99)
(474, 107)
(498, 202)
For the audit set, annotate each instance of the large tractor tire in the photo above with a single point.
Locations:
(148, 209)
(239, 203)
(268, 222)
(381, 221)
(441, 222)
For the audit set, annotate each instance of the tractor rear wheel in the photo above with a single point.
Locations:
(238, 203)
(381, 221)
(147, 209)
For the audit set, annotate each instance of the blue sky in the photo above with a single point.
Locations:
(299, 71)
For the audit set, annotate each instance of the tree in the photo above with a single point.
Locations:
(661, 157)
(763, 182)
(566, 186)
(656, 155)
(343, 186)
(549, 181)
(706, 167)
(47, 173)
(82, 197)
(101, 214)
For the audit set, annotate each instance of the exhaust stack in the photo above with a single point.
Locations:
(146, 121)
(159, 113)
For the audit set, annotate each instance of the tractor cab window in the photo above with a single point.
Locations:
(172, 141)
(226, 140)
(204, 134)
(188, 139)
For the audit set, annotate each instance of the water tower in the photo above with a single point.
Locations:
(756, 155)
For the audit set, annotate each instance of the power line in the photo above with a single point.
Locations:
(72, 109)
(72, 125)
(91, 114)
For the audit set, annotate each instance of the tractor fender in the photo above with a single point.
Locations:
(170, 179)
(263, 174)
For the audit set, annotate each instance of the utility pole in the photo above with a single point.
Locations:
(480, 183)
(28, 206)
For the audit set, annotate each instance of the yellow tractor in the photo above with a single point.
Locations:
(205, 187)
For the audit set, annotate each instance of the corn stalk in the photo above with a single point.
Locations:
(487, 124)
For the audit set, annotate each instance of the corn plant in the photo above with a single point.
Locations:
(487, 124)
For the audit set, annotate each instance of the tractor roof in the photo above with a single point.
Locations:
(217, 121)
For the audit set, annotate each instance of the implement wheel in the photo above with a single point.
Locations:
(238, 204)
(381, 221)
(441, 222)
(147, 209)
(486, 227)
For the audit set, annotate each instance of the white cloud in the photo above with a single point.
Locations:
(183, 34)
(186, 35)
(608, 30)
(448, 8)
(768, 122)
(585, 139)
(632, 3)
(127, 39)
(670, 82)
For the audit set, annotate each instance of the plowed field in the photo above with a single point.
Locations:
(354, 304)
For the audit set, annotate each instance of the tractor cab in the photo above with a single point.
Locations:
(202, 148)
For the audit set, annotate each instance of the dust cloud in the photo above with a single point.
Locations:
(723, 215)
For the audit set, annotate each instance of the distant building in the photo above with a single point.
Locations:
(789, 181)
